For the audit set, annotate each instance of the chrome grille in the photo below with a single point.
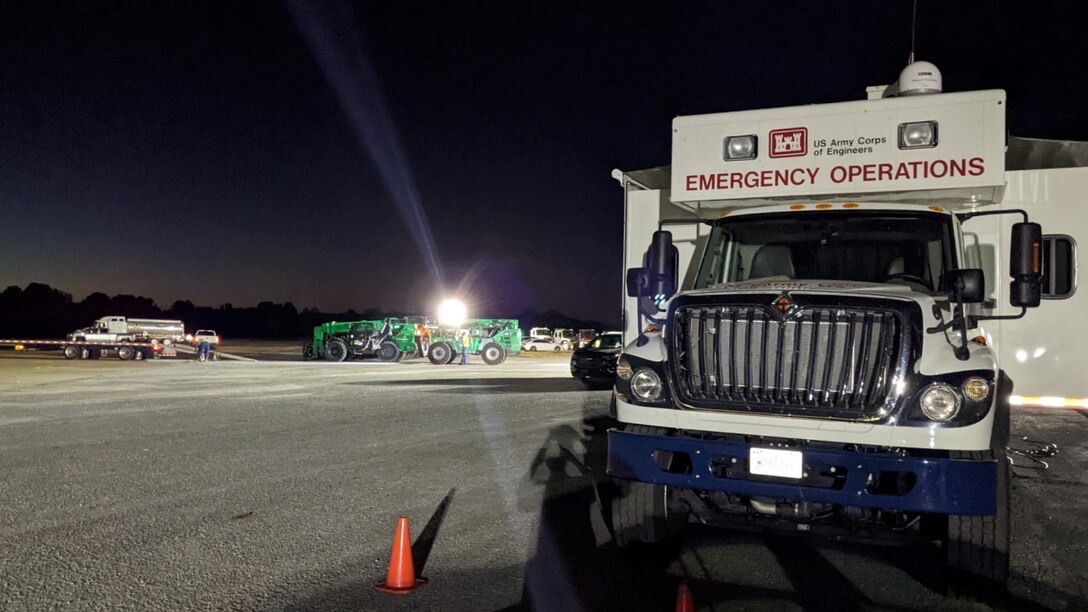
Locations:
(818, 361)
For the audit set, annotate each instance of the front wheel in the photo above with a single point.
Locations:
(532, 348)
(977, 547)
(493, 354)
(440, 353)
(640, 512)
(336, 349)
(72, 352)
(388, 352)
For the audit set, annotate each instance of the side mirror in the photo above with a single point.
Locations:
(638, 281)
(968, 285)
(662, 258)
(1025, 265)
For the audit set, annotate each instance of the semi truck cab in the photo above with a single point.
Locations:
(822, 334)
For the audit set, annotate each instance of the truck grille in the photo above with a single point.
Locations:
(820, 361)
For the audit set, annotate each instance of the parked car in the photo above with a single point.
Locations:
(595, 363)
(540, 344)
(205, 335)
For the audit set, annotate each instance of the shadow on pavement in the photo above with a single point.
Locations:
(421, 548)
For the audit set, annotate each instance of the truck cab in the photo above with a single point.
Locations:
(826, 308)
(565, 338)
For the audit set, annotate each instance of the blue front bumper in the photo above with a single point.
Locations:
(938, 486)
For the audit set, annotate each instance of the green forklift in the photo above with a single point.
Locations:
(390, 339)
(492, 339)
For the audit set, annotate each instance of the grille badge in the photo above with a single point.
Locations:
(784, 306)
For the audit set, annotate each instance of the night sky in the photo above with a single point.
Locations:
(190, 150)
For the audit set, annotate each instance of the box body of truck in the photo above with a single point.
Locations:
(815, 342)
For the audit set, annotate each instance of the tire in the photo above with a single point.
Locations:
(336, 349)
(532, 348)
(307, 351)
(388, 352)
(977, 547)
(640, 511)
(558, 348)
(72, 351)
(454, 353)
(126, 353)
(440, 353)
(493, 354)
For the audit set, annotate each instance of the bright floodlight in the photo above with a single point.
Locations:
(452, 312)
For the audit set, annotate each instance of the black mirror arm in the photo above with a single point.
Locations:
(1023, 311)
(959, 319)
(985, 213)
(642, 339)
(962, 352)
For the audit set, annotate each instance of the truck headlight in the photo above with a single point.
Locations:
(646, 385)
(623, 369)
(976, 389)
(918, 135)
(740, 147)
(940, 402)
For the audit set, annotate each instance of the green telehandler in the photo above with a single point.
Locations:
(492, 339)
(390, 339)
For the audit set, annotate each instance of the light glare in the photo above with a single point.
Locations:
(452, 312)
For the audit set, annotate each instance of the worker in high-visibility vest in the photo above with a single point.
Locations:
(419, 341)
(425, 337)
(466, 341)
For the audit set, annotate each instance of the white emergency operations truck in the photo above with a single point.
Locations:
(836, 302)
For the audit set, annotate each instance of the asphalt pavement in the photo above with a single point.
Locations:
(276, 485)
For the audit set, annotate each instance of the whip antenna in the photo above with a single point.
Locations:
(913, 23)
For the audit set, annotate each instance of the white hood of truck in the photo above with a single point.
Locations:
(895, 290)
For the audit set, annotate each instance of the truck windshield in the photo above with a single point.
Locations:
(881, 246)
(608, 341)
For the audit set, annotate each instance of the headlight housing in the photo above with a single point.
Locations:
(646, 385)
(940, 402)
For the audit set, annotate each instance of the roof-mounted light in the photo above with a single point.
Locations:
(741, 147)
(918, 135)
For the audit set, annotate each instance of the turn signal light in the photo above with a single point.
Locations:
(976, 389)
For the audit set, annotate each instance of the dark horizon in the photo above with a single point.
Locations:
(197, 150)
(40, 311)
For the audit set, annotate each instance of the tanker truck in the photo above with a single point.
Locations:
(122, 329)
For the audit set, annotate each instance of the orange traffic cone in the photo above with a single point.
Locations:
(684, 601)
(401, 577)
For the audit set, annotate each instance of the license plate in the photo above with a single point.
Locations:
(774, 462)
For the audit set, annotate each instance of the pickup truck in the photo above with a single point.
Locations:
(206, 335)
(98, 334)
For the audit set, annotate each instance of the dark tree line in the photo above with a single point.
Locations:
(40, 311)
